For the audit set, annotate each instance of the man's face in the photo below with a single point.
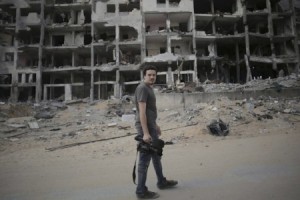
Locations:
(150, 77)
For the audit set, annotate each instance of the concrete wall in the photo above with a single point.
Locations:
(155, 27)
(6, 39)
(132, 19)
(6, 66)
(68, 39)
(175, 100)
(31, 19)
(184, 45)
(152, 6)
(79, 39)
(82, 1)
(154, 47)
(239, 8)
(100, 8)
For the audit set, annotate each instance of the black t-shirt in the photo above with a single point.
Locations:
(145, 93)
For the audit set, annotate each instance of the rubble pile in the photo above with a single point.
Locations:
(263, 111)
(54, 123)
(256, 84)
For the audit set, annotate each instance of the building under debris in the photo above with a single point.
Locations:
(70, 49)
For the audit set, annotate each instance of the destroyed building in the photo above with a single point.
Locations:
(71, 49)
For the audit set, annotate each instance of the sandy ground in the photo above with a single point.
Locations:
(259, 159)
(262, 167)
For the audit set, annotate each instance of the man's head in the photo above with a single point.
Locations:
(149, 73)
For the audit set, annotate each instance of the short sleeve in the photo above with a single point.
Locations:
(141, 94)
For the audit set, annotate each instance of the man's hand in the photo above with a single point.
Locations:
(158, 130)
(147, 138)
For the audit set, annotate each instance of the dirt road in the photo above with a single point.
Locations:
(260, 167)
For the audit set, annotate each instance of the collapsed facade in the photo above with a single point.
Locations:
(86, 48)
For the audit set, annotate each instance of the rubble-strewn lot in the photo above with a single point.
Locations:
(256, 84)
(56, 124)
(41, 158)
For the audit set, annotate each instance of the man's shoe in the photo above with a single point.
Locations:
(147, 195)
(167, 184)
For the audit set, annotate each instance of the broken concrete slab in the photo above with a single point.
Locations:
(59, 105)
(55, 129)
(19, 120)
(17, 125)
(14, 139)
(3, 115)
(128, 118)
(287, 110)
(113, 124)
(70, 102)
(44, 115)
(173, 114)
(5, 130)
(33, 125)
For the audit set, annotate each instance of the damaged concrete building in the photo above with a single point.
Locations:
(72, 49)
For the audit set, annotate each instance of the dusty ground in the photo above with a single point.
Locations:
(259, 159)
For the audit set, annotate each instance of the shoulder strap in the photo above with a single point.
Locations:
(134, 168)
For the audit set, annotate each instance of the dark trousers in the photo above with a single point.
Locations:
(144, 161)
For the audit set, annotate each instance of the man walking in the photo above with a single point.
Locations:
(149, 131)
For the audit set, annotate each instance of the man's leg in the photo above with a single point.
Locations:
(156, 160)
(143, 164)
(162, 182)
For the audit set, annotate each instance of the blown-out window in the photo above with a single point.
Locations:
(110, 8)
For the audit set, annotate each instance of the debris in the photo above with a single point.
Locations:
(287, 111)
(12, 135)
(119, 113)
(18, 110)
(73, 125)
(249, 107)
(127, 99)
(55, 129)
(59, 105)
(4, 115)
(169, 142)
(8, 130)
(112, 124)
(81, 143)
(69, 102)
(33, 125)
(128, 118)
(124, 127)
(173, 114)
(72, 134)
(263, 116)
(41, 138)
(218, 128)
(44, 115)
(191, 123)
(16, 125)
(14, 139)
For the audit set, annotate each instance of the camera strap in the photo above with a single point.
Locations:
(134, 167)
(144, 148)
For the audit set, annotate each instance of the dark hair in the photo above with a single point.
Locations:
(149, 67)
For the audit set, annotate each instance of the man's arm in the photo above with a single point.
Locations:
(158, 130)
(143, 118)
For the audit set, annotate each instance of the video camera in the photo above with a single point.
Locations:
(155, 146)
